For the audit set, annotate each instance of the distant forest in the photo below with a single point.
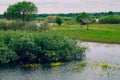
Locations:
(74, 14)
(97, 15)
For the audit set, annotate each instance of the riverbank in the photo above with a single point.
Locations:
(103, 33)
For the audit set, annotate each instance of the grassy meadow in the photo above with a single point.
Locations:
(105, 33)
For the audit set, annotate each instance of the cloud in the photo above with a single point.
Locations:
(68, 6)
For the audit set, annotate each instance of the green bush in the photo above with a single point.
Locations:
(26, 48)
(59, 21)
(110, 19)
(6, 54)
(55, 47)
(41, 48)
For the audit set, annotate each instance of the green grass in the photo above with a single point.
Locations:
(106, 33)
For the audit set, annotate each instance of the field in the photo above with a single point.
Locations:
(104, 33)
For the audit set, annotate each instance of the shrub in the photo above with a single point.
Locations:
(58, 20)
(41, 48)
(26, 48)
(23, 45)
(110, 19)
(7, 55)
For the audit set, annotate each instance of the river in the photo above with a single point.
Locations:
(96, 54)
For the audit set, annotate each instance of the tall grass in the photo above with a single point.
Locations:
(18, 25)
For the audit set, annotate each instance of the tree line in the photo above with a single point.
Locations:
(97, 14)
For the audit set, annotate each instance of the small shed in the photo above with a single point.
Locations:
(85, 22)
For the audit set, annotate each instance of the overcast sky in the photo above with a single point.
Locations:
(68, 6)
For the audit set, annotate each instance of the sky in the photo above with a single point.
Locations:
(68, 6)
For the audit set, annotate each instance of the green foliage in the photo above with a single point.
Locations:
(22, 10)
(58, 20)
(62, 15)
(6, 55)
(57, 47)
(110, 13)
(40, 48)
(24, 47)
(110, 19)
(83, 16)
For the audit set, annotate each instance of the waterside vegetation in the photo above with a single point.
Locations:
(35, 47)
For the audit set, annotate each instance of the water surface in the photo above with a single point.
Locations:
(97, 52)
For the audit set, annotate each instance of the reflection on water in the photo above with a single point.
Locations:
(103, 52)
(94, 67)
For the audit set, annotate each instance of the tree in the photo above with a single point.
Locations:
(110, 13)
(22, 10)
(58, 20)
(83, 18)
